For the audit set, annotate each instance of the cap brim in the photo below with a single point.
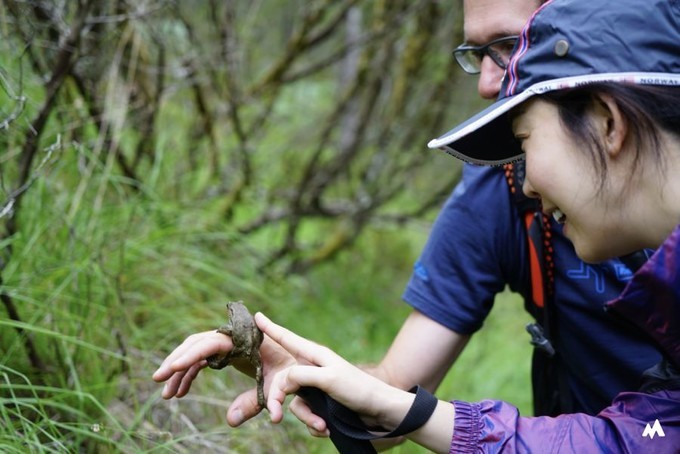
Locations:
(487, 137)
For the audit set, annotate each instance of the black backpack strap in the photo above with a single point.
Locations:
(635, 260)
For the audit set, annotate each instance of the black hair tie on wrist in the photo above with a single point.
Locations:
(350, 435)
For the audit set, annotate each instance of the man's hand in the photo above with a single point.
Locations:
(181, 367)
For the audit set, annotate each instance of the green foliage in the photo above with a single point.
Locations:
(109, 295)
(129, 233)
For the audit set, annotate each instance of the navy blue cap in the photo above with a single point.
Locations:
(566, 44)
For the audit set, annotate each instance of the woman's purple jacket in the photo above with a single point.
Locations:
(635, 422)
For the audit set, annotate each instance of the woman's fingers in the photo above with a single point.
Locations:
(289, 380)
(297, 346)
(315, 433)
(280, 387)
(326, 371)
(315, 424)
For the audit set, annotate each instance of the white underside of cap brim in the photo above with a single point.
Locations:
(482, 118)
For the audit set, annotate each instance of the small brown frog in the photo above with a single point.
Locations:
(247, 338)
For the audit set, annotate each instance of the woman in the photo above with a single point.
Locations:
(592, 99)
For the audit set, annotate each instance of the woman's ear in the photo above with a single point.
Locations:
(614, 126)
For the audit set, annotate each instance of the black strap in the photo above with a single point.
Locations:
(539, 339)
(635, 260)
(350, 435)
(664, 375)
(420, 412)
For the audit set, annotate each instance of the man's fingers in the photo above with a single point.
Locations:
(194, 349)
(172, 385)
(243, 408)
(188, 378)
(167, 367)
(205, 345)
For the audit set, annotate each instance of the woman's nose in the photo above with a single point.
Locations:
(529, 190)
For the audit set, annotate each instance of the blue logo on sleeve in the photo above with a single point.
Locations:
(421, 271)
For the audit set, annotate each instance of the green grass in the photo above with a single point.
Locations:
(105, 297)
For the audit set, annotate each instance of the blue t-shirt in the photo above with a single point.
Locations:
(478, 245)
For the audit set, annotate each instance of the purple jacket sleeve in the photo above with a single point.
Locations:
(628, 425)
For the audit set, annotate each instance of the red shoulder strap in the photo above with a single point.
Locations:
(537, 225)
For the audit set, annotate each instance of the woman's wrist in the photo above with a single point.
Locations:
(435, 434)
(394, 407)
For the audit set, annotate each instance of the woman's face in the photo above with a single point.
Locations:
(562, 176)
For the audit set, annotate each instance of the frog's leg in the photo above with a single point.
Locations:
(220, 361)
(257, 362)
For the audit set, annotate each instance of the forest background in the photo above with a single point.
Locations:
(159, 158)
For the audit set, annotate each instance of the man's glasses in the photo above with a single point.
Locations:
(470, 57)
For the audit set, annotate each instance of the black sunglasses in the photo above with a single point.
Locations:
(470, 57)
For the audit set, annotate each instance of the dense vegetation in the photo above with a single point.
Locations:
(159, 158)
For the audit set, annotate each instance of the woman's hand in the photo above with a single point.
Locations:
(373, 400)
